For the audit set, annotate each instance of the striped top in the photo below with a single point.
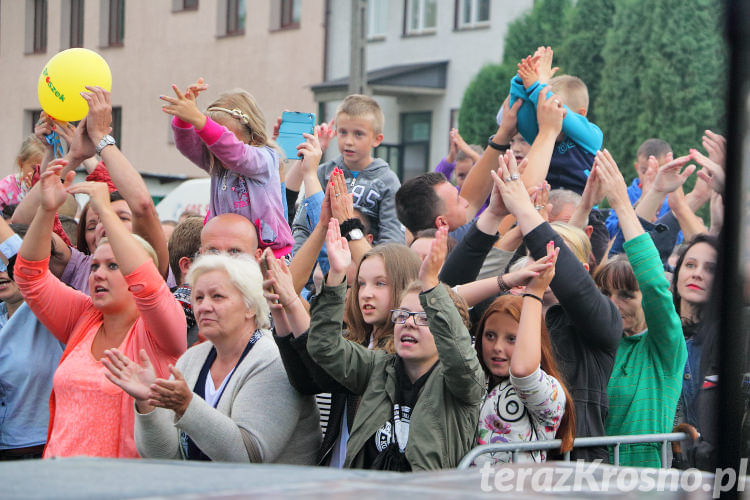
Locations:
(647, 377)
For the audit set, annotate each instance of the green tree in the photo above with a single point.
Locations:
(664, 76)
(618, 101)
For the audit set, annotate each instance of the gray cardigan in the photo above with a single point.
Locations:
(259, 418)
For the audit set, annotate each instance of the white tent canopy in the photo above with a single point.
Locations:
(191, 195)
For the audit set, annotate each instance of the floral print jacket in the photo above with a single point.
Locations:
(521, 409)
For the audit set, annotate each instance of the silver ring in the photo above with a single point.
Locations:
(514, 177)
(538, 207)
(507, 179)
(338, 194)
(557, 101)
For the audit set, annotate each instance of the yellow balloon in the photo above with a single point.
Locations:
(63, 79)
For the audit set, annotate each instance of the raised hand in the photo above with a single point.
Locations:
(339, 256)
(311, 152)
(509, 124)
(717, 213)
(133, 378)
(431, 265)
(716, 146)
(538, 284)
(668, 177)
(712, 173)
(65, 130)
(98, 193)
(99, 118)
(194, 89)
(173, 394)
(507, 181)
(496, 205)
(647, 178)
(550, 112)
(279, 287)
(325, 206)
(611, 179)
(276, 128)
(523, 276)
(326, 133)
(43, 128)
(81, 147)
(183, 107)
(342, 202)
(453, 149)
(527, 70)
(53, 193)
(544, 65)
(540, 199)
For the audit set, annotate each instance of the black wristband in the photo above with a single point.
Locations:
(348, 225)
(533, 296)
(497, 147)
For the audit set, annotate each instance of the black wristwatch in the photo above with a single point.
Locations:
(352, 229)
(497, 147)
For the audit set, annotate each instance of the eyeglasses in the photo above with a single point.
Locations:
(399, 316)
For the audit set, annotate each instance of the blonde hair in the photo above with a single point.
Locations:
(576, 240)
(244, 273)
(145, 244)
(31, 148)
(241, 106)
(572, 90)
(362, 106)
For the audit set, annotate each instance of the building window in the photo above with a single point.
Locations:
(36, 26)
(113, 23)
(377, 18)
(181, 5)
(472, 13)
(117, 125)
(74, 30)
(290, 14)
(235, 16)
(416, 129)
(31, 117)
(421, 17)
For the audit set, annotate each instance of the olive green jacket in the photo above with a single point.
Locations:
(444, 419)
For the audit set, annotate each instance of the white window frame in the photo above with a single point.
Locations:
(377, 10)
(473, 22)
(420, 29)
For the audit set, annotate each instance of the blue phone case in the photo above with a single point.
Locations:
(293, 125)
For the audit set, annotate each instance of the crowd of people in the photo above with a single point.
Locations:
(326, 314)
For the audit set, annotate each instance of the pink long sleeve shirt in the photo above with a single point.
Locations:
(248, 185)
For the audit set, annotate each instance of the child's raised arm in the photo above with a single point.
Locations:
(183, 106)
(527, 354)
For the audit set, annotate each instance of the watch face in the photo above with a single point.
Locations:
(356, 234)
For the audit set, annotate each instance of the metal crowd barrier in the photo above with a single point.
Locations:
(582, 442)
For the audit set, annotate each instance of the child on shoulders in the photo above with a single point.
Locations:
(229, 141)
(580, 139)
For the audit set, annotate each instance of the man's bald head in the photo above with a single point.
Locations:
(230, 233)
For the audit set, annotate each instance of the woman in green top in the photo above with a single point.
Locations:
(647, 377)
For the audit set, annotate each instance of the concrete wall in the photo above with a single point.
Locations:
(162, 47)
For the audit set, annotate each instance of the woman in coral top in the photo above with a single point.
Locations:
(129, 307)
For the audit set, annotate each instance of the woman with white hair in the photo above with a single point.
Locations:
(229, 398)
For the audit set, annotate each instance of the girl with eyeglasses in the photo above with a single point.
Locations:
(419, 406)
